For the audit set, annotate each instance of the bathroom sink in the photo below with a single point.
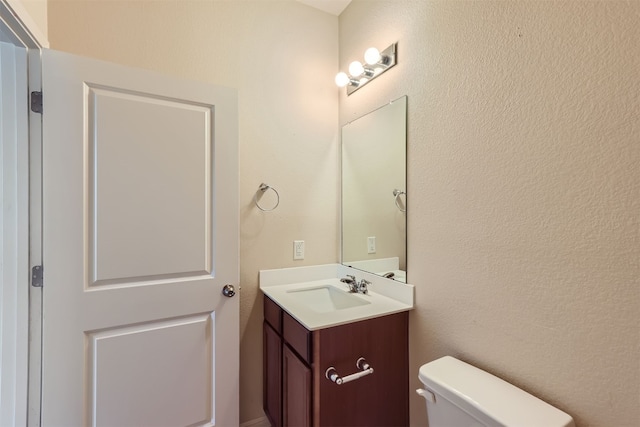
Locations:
(324, 299)
(316, 297)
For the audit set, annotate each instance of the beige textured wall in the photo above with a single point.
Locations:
(281, 56)
(524, 145)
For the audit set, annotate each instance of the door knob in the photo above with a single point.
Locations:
(228, 291)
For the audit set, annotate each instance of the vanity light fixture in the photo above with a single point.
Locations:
(375, 63)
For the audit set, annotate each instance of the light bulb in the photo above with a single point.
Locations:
(355, 69)
(342, 79)
(372, 56)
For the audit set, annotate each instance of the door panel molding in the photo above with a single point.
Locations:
(153, 251)
(116, 347)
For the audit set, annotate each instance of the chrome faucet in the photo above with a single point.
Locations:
(354, 286)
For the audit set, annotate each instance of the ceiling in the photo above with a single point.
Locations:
(334, 7)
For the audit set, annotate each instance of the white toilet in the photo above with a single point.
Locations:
(461, 395)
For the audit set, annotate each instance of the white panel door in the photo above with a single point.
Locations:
(140, 235)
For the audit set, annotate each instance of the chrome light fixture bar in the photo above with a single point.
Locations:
(376, 63)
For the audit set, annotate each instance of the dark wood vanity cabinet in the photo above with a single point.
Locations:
(296, 391)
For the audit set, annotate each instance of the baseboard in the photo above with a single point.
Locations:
(258, 422)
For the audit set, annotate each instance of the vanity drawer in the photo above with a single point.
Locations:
(273, 314)
(297, 336)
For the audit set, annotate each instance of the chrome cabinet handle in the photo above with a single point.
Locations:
(365, 369)
(228, 291)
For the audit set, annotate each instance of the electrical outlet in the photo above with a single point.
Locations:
(371, 245)
(298, 249)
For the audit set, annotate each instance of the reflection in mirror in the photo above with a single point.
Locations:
(374, 191)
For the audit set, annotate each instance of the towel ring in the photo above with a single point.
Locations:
(397, 193)
(263, 188)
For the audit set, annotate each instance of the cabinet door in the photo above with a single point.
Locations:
(296, 390)
(272, 374)
(377, 400)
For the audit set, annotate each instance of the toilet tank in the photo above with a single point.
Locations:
(462, 395)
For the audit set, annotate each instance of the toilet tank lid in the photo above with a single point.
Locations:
(487, 397)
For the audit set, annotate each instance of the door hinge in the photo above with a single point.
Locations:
(36, 276)
(36, 102)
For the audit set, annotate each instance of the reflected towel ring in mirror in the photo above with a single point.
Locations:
(261, 190)
(397, 193)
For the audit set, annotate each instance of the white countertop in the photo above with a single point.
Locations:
(384, 296)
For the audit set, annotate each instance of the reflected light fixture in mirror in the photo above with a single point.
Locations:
(376, 63)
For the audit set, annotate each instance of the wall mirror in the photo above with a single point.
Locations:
(374, 218)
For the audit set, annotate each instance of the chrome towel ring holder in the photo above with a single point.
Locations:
(261, 190)
(397, 193)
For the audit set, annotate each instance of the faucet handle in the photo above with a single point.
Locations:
(363, 286)
(348, 279)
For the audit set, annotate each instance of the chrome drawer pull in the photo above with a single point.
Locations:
(361, 363)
